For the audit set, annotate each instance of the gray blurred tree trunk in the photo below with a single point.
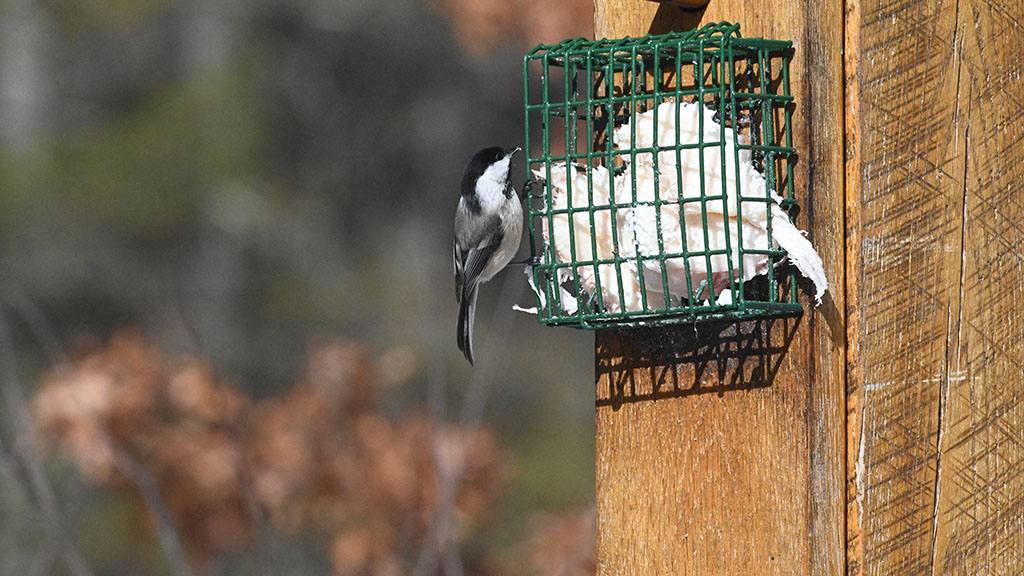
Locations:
(207, 36)
(24, 87)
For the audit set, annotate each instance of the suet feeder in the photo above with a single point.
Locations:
(663, 168)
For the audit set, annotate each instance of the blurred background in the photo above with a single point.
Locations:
(227, 340)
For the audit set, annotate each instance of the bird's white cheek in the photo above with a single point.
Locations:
(491, 185)
(497, 171)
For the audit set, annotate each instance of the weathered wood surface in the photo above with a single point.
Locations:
(745, 480)
(720, 449)
(935, 263)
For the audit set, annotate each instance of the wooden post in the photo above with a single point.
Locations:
(720, 447)
(935, 99)
(728, 449)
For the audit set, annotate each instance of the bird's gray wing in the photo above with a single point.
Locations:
(478, 258)
(473, 249)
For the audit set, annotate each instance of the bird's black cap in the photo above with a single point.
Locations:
(479, 163)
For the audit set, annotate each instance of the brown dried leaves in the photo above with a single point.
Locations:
(321, 455)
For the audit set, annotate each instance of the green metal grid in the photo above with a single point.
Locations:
(578, 91)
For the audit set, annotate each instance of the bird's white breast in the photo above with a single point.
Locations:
(512, 216)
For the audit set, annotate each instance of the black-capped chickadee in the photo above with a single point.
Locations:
(488, 228)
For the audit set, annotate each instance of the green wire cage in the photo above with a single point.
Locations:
(659, 165)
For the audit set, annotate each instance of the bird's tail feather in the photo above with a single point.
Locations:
(467, 314)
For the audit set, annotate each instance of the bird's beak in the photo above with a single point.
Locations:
(511, 151)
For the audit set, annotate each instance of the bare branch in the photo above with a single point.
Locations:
(165, 531)
(442, 539)
(437, 390)
(37, 323)
(23, 454)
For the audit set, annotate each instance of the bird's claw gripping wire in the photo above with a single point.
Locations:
(529, 185)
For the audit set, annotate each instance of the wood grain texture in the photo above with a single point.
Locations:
(980, 493)
(720, 447)
(935, 267)
(744, 479)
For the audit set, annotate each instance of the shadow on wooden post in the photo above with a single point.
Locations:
(673, 18)
(709, 357)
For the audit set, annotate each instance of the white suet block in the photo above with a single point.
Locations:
(635, 227)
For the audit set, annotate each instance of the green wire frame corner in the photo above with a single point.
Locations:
(586, 89)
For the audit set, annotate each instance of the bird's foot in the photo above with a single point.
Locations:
(533, 261)
(529, 184)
